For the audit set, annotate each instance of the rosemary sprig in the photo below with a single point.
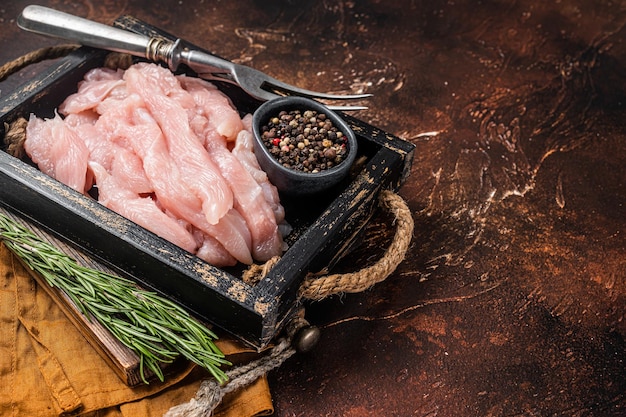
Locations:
(153, 327)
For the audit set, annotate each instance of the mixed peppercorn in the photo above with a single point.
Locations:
(305, 141)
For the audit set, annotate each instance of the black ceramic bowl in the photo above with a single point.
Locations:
(290, 180)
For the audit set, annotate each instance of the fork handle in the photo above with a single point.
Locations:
(50, 22)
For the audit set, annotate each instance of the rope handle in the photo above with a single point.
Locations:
(317, 286)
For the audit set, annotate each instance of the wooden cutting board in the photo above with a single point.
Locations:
(123, 360)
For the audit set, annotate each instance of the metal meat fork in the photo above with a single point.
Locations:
(257, 84)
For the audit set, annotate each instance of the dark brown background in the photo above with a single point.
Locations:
(511, 299)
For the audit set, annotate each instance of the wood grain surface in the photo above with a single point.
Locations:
(121, 359)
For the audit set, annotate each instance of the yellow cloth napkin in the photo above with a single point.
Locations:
(47, 368)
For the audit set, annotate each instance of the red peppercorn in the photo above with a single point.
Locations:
(275, 141)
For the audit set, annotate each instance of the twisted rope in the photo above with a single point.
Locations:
(315, 287)
(210, 393)
(15, 136)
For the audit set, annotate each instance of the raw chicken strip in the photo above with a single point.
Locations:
(249, 199)
(215, 105)
(113, 194)
(244, 151)
(119, 161)
(211, 250)
(100, 149)
(152, 83)
(175, 195)
(58, 151)
(127, 167)
(97, 84)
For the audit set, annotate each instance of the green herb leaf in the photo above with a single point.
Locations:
(153, 327)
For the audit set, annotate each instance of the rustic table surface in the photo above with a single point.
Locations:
(511, 299)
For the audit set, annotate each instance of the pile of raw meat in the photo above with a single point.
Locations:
(169, 153)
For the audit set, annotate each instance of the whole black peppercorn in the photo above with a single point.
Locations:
(307, 141)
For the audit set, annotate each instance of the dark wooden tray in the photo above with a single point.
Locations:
(324, 227)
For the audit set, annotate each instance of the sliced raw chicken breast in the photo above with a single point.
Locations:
(57, 151)
(113, 194)
(170, 153)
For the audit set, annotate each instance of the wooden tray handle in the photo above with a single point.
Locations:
(317, 286)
